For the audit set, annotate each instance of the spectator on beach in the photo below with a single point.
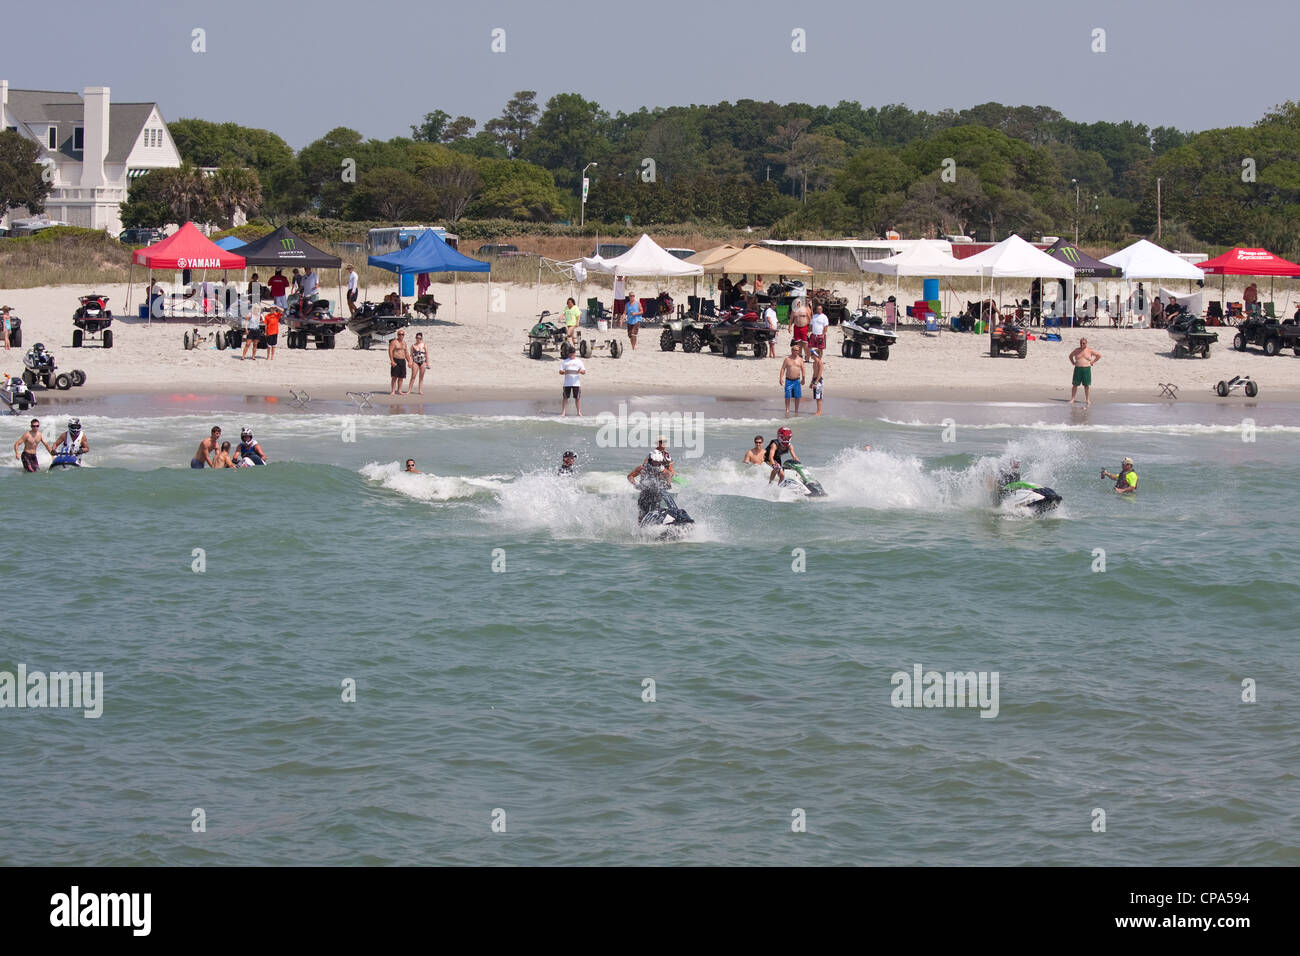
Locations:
(1083, 359)
(296, 282)
(791, 378)
(352, 289)
(252, 332)
(1250, 296)
(272, 332)
(419, 364)
(817, 329)
(571, 318)
(620, 298)
(310, 281)
(633, 315)
(1172, 310)
(758, 285)
(398, 354)
(4, 314)
(572, 369)
(1157, 313)
(773, 323)
(279, 286)
(819, 368)
(254, 287)
(799, 319)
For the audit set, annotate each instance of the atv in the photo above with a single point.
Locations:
(544, 336)
(312, 320)
(1190, 337)
(39, 366)
(692, 335)
(1008, 336)
(864, 328)
(733, 329)
(92, 319)
(1270, 334)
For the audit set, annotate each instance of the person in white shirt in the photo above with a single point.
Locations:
(309, 282)
(352, 290)
(620, 298)
(572, 369)
(773, 323)
(817, 329)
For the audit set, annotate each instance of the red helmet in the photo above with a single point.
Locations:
(784, 434)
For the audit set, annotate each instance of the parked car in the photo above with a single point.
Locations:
(140, 237)
(608, 250)
(499, 249)
(680, 253)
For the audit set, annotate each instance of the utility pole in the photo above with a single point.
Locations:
(1159, 220)
(582, 215)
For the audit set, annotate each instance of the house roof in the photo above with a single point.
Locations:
(65, 111)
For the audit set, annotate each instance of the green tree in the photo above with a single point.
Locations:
(392, 195)
(326, 162)
(22, 184)
(234, 187)
(569, 134)
(516, 122)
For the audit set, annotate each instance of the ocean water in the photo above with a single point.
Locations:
(501, 626)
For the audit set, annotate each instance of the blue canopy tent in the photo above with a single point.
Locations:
(230, 242)
(429, 253)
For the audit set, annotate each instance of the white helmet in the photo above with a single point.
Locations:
(656, 457)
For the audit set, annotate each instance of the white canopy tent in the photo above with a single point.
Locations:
(1014, 258)
(645, 258)
(1146, 260)
(926, 257)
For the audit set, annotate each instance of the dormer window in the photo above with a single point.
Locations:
(79, 138)
(52, 137)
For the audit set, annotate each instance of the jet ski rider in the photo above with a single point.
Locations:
(1008, 476)
(653, 476)
(249, 451)
(566, 465)
(71, 445)
(776, 448)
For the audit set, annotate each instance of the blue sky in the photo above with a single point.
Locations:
(303, 68)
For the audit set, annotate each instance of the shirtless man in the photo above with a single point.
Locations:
(792, 377)
(28, 443)
(208, 448)
(398, 356)
(800, 317)
(1083, 359)
(223, 459)
(755, 455)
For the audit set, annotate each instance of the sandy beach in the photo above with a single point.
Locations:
(476, 355)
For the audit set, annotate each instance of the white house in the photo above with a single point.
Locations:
(95, 147)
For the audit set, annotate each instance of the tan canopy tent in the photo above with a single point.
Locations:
(709, 256)
(758, 260)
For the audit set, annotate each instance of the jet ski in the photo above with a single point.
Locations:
(659, 511)
(65, 461)
(1027, 496)
(16, 395)
(801, 481)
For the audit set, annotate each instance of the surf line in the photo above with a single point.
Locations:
(948, 689)
(79, 689)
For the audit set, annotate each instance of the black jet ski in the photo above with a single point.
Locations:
(658, 511)
(1027, 496)
(801, 481)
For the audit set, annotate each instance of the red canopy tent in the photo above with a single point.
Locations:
(1249, 262)
(186, 248)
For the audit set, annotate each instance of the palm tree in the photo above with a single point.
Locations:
(233, 188)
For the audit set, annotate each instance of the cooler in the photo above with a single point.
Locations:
(408, 283)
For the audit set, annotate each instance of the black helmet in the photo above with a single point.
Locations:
(570, 454)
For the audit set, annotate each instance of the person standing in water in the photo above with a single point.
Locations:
(1126, 482)
(206, 454)
(28, 442)
(791, 377)
(755, 455)
(70, 445)
(819, 368)
(1083, 359)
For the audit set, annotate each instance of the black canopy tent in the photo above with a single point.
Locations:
(1085, 267)
(285, 248)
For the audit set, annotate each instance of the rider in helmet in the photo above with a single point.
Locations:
(777, 448)
(71, 445)
(566, 465)
(249, 451)
(653, 476)
(1008, 475)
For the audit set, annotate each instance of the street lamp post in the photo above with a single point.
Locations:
(582, 215)
(1076, 210)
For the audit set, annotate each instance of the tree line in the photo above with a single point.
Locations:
(789, 169)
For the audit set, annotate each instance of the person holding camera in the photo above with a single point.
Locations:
(1126, 482)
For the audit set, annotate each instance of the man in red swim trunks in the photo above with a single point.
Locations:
(799, 319)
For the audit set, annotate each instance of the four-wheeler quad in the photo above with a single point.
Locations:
(834, 306)
(1270, 334)
(733, 330)
(865, 329)
(544, 336)
(92, 319)
(1006, 335)
(376, 322)
(39, 366)
(1190, 337)
(313, 321)
(692, 334)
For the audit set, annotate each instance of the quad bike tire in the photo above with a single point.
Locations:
(584, 348)
(78, 378)
(760, 349)
(534, 350)
(1222, 389)
(881, 354)
(1251, 389)
(47, 379)
(994, 350)
(615, 348)
(77, 337)
(1205, 352)
(1239, 341)
(855, 350)
(1272, 345)
(691, 341)
(715, 348)
(221, 341)
(29, 378)
(63, 381)
(322, 342)
(365, 341)
(16, 338)
(108, 338)
(187, 341)
(235, 338)
(844, 348)
(730, 349)
(1023, 349)
(667, 341)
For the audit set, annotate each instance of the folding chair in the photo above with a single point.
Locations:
(595, 310)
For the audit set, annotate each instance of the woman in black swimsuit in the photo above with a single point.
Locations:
(419, 363)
